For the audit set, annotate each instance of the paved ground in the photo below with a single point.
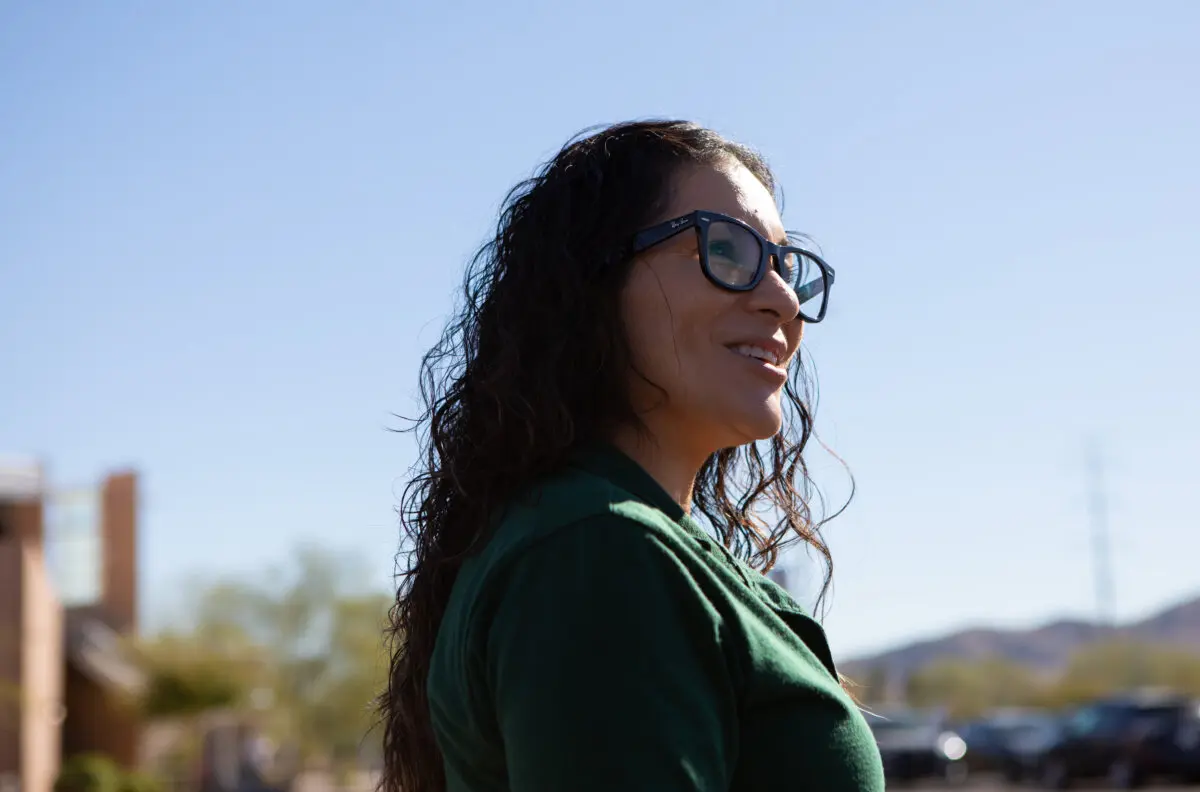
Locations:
(991, 784)
(991, 787)
(986, 786)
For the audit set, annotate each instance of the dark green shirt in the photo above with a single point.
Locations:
(602, 641)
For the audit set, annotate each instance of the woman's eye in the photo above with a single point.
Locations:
(721, 249)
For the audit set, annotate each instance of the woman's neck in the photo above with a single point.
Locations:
(672, 464)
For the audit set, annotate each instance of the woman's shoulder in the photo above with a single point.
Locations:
(565, 546)
(577, 506)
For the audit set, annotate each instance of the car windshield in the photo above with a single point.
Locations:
(1026, 728)
(905, 724)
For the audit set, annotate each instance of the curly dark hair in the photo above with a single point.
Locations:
(533, 365)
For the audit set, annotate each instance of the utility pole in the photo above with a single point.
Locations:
(1101, 545)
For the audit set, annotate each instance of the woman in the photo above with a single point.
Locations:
(615, 391)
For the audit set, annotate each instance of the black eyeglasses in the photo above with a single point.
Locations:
(735, 257)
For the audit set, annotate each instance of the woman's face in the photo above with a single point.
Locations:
(690, 338)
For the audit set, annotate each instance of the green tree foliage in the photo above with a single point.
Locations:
(189, 674)
(969, 688)
(95, 772)
(872, 687)
(10, 700)
(1112, 667)
(190, 686)
(88, 773)
(355, 673)
(139, 782)
(298, 649)
(10, 692)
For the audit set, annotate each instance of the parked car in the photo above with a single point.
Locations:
(919, 746)
(999, 743)
(1126, 740)
(1026, 748)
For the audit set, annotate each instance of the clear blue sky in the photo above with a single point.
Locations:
(227, 231)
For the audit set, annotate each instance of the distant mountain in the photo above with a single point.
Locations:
(1047, 648)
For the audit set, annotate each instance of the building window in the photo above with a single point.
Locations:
(74, 544)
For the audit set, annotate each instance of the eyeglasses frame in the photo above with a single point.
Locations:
(701, 220)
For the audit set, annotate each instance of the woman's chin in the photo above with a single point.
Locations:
(758, 424)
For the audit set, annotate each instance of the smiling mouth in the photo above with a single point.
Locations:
(757, 353)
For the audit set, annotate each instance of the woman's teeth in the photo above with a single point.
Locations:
(756, 352)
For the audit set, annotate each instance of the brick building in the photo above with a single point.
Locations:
(68, 594)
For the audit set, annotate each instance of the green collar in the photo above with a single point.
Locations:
(608, 462)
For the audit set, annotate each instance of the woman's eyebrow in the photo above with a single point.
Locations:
(782, 238)
(759, 226)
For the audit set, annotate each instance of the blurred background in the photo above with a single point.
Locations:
(228, 232)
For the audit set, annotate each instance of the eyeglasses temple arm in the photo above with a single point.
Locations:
(661, 233)
(810, 290)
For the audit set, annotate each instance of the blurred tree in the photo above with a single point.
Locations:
(10, 696)
(88, 773)
(297, 650)
(300, 647)
(139, 782)
(873, 686)
(10, 692)
(188, 676)
(968, 688)
(1112, 667)
(357, 672)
